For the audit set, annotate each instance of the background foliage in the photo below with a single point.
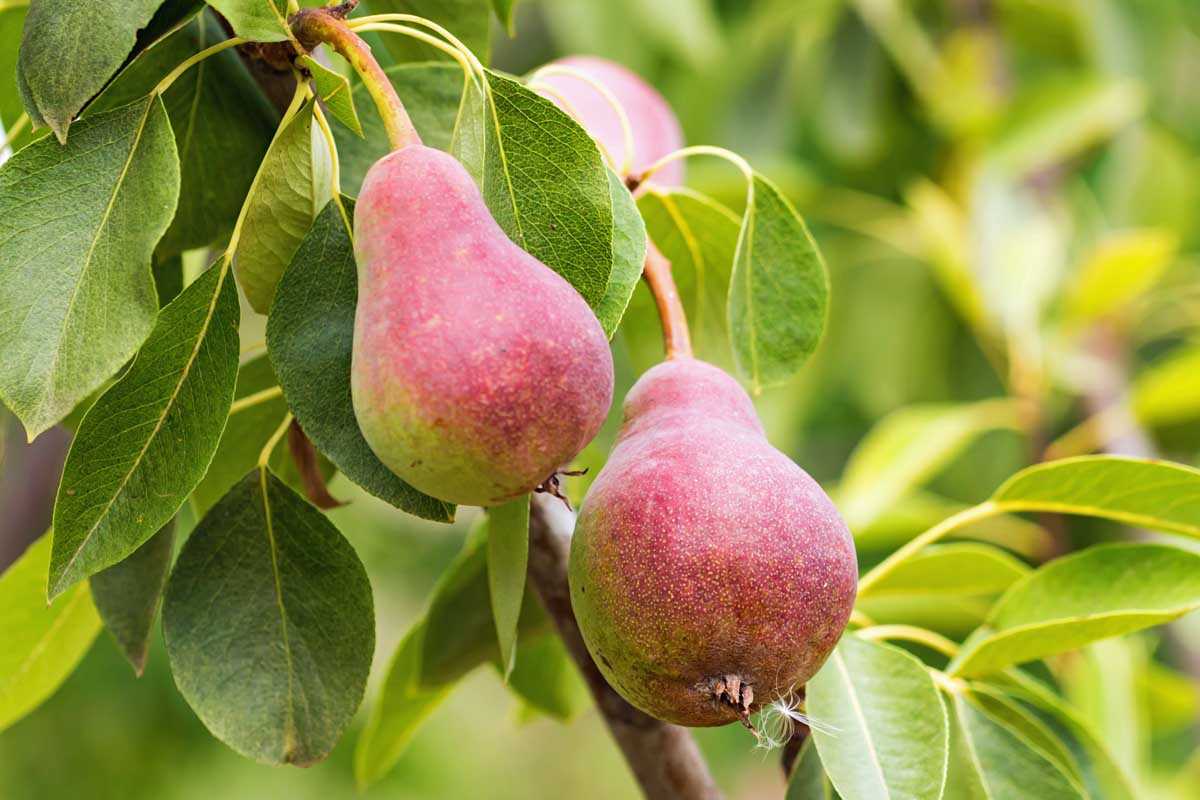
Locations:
(1005, 196)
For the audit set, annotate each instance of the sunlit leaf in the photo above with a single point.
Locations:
(629, 253)
(256, 20)
(961, 568)
(1118, 270)
(507, 556)
(334, 90)
(1168, 390)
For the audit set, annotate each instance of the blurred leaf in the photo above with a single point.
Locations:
(222, 124)
(69, 50)
(147, 442)
(128, 593)
(1062, 117)
(42, 644)
(699, 237)
(431, 92)
(1172, 698)
(334, 90)
(290, 189)
(879, 724)
(270, 625)
(454, 636)
(77, 227)
(1150, 178)
(629, 253)
(1103, 684)
(1103, 591)
(247, 431)
(543, 179)
(547, 679)
(12, 20)
(310, 336)
(919, 511)
(1118, 270)
(1168, 390)
(504, 13)
(808, 780)
(256, 20)
(1138, 492)
(953, 616)
(990, 760)
(469, 20)
(778, 291)
(962, 568)
(907, 448)
(404, 703)
(507, 556)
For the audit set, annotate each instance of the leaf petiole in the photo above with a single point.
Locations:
(265, 455)
(191, 61)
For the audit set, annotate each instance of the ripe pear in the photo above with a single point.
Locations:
(477, 370)
(653, 123)
(709, 574)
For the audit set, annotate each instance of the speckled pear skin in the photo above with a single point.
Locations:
(477, 370)
(655, 127)
(701, 552)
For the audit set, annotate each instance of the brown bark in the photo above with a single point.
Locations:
(664, 758)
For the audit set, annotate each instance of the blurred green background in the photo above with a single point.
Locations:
(1005, 192)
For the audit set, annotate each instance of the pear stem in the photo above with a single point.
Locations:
(312, 26)
(657, 272)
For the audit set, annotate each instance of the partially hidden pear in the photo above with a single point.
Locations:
(709, 574)
(654, 128)
(477, 370)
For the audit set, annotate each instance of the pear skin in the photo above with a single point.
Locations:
(709, 574)
(477, 371)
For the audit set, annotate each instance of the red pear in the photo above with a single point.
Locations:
(478, 371)
(709, 574)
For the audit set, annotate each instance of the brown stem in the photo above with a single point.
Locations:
(312, 26)
(657, 272)
(664, 758)
(791, 750)
(304, 456)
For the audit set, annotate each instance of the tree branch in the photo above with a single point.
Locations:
(664, 758)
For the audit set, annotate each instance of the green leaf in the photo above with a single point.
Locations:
(880, 726)
(961, 568)
(469, 20)
(334, 90)
(808, 780)
(77, 227)
(1102, 775)
(12, 20)
(454, 636)
(990, 761)
(907, 448)
(290, 189)
(699, 237)
(507, 556)
(222, 123)
(542, 178)
(547, 679)
(70, 49)
(1122, 267)
(128, 593)
(629, 253)
(146, 443)
(1028, 727)
(42, 644)
(504, 13)
(432, 94)
(778, 291)
(256, 20)
(403, 705)
(270, 625)
(310, 338)
(1104, 591)
(1168, 391)
(1132, 491)
(247, 431)
(1061, 118)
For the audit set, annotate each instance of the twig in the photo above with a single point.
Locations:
(664, 758)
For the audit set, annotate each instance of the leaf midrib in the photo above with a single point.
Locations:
(137, 461)
(290, 738)
(856, 706)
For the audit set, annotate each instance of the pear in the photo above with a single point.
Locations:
(654, 127)
(709, 574)
(477, 370)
